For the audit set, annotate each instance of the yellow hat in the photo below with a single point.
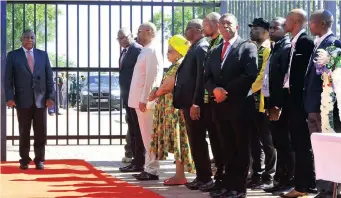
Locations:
(179, 43)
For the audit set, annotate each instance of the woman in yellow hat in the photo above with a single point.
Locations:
(169, 131)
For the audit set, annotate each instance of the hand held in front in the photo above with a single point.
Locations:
(11, 103)
(220, 94)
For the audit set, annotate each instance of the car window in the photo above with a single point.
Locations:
(104, 80)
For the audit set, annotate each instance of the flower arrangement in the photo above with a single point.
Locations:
(328, 65)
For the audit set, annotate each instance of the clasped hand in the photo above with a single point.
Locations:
(220, 94)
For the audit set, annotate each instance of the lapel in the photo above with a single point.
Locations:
(24, 59)
(233, 49)
(314, 54)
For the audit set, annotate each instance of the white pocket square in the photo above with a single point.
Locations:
(299, 54)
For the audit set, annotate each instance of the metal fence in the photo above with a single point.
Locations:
(80, 38)
(246, 10)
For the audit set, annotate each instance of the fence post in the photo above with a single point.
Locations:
(223, 7)
(331, 6)
(2, 69)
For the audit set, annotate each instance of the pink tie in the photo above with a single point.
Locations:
(30, 60)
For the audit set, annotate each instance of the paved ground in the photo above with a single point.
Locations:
(108, 158)
(104, 157)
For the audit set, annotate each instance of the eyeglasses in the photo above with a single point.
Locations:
(123, 37)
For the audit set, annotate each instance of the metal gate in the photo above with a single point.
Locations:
(80, 38)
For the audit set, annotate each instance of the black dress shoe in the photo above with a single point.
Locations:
(39, 166)
(131, 168)
(23, 166)
(218, 193)
(207, 187)
(144, 176)
(233, 194)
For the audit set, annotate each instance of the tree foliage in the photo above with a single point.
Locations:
(181, 17)
(15, 27)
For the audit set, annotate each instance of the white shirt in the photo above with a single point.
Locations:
(31, 52)
(321, 39)
(231, 42)
(286, 83)
(265, 88)
(147, 74)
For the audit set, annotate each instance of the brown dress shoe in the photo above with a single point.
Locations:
(293, 194)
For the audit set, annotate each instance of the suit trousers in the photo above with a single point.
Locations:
(196, 132)
(214, 135)
(25, 118)
(235, 129)
(282, 142)
(262, 149)
(137, 146)
(305, 179)
(128, 149)
(152, 165)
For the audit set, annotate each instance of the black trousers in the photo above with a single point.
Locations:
(136, 137)
(282, 142)
(301, 143)
(196, 132)
(216, 141)
(235, 129)
(27, 116)
(263, 152)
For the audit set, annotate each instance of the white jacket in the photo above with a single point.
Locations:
(148, 73)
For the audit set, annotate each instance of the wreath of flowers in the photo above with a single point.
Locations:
(328, 65)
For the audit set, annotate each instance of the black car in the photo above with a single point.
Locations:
(96, 92)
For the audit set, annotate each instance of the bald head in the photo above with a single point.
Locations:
(296, 21)
(196, 23)
(300, 15)
(321, 22)
(211, 25)
(323, 16)
(213, 17)
(146, 33)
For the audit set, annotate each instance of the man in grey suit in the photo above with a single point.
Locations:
(29, 88)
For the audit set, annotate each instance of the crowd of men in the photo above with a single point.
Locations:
(257, 96)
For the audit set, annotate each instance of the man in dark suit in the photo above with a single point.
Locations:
(211, 30)
(276, 104)
(189, 96)
(29, 88)
(128, 57)
(320, 25)
(229, 74)
(301, 49)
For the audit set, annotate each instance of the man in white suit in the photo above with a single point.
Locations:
(147, 75)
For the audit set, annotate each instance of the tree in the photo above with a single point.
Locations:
(179, 14)
(15, 28)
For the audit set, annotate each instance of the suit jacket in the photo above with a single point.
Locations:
(300, 60)
(236, 75)
(23, 86)
(147, 74)
(313, 81)
(278, 67)
(189, 85)
(127, 69)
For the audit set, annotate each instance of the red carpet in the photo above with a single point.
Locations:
(65, 179)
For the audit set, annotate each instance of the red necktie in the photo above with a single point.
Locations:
(30, 60)
(224, 50)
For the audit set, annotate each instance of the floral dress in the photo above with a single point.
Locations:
(169, 130)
